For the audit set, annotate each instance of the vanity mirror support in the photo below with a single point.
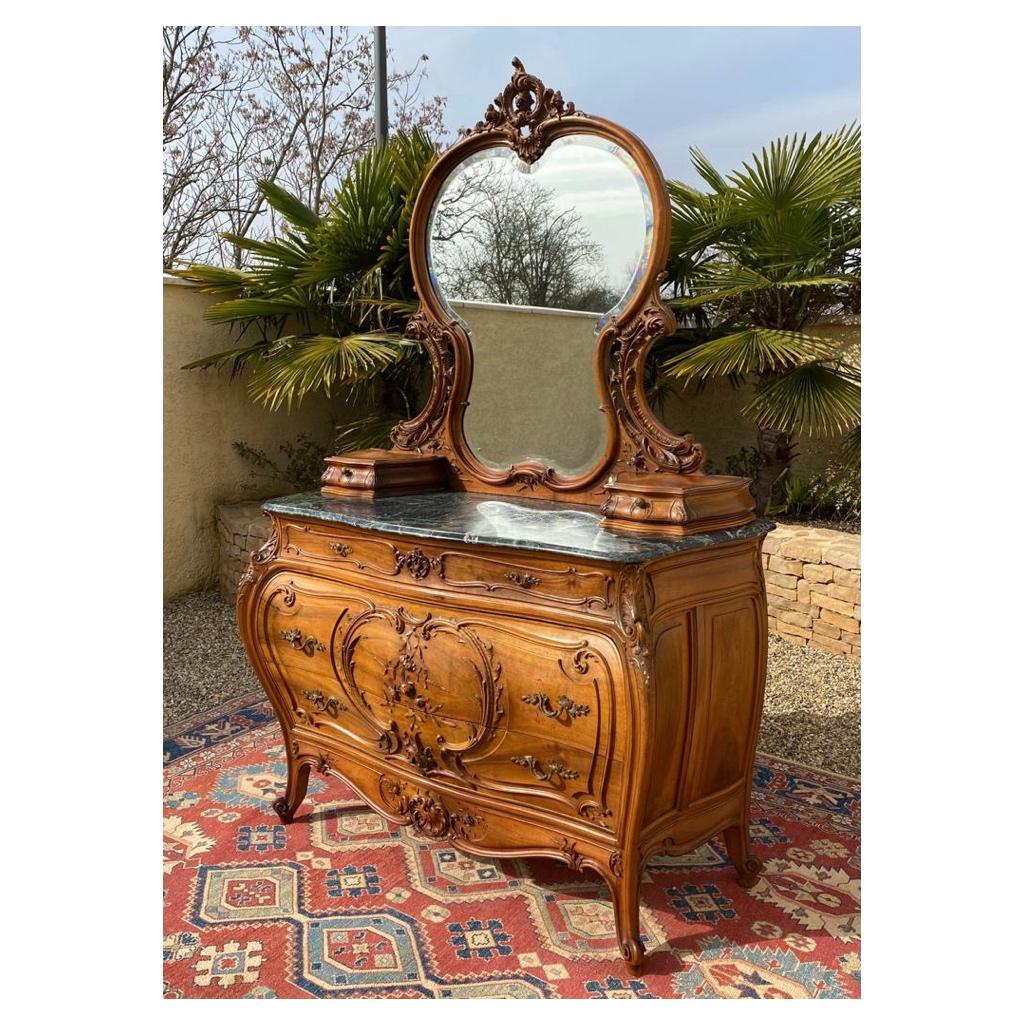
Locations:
(647, 478)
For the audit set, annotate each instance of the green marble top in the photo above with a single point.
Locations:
(509, 522)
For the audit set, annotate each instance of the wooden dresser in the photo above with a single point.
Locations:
(508, 676)
(534, 626)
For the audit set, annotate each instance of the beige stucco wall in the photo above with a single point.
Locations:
(534, 395)
(204, 412)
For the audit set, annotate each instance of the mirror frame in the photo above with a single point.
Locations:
(526, 118)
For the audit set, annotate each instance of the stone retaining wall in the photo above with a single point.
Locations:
(241, 529)
(813, 582)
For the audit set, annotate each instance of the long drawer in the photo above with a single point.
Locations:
(535, 580)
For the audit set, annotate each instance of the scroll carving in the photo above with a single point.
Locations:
(423, 433)
(522, 113)
(647, 446)
(396, 691)
(257, 560)
(633, 615)
(425, 812)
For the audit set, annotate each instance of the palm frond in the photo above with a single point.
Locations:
(237, 357)
(293, 209)
(813, 399)
(793, 172)
(752, 350)
(234, 310)
(372, 431)
(215, 280)
(296, 366)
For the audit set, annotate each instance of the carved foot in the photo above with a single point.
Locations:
(747, 866)
(298, 779)
(284, 811)
(747, 875)
(633, 953)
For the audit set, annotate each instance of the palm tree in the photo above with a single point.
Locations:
(340, 284)
(756, 263)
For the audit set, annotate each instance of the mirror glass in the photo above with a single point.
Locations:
(533, 260)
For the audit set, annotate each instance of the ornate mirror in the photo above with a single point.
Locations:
(532, 260)
(536, 245)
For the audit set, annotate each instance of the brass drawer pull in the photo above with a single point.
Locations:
(308, 646)
(522, 581)
(542, 703)
(555, 770)
(331, 705)
(341, 549)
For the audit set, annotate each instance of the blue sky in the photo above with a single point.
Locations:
(728, 91)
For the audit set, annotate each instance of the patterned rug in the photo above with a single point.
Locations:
(342, 904)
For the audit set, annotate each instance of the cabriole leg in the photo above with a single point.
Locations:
(298, 780)
(625, 890)
(737, 842)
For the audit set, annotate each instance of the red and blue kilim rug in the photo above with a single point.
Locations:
(343, 904)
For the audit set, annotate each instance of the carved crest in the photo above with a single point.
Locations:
(522, 111)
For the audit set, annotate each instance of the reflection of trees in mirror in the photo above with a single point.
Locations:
(503, 239)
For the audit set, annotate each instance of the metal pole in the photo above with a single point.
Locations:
(380, 74)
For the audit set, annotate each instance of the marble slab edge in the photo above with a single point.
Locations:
(525, 524)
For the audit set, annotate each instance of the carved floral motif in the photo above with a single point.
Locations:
(523, 113)
(415, 724)
(427, 814)
(571, 855)
(633, 614)
(264, 554)
(415, 563)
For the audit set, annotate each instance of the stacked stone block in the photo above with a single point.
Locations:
(813, 583)
(241, 529)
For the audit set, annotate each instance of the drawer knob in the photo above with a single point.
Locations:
(341, 549)
(555, 769)
(308, 646)
(542, 702)
(520, 580)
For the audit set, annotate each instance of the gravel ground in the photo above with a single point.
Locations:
(204, 664)
(811, 708)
